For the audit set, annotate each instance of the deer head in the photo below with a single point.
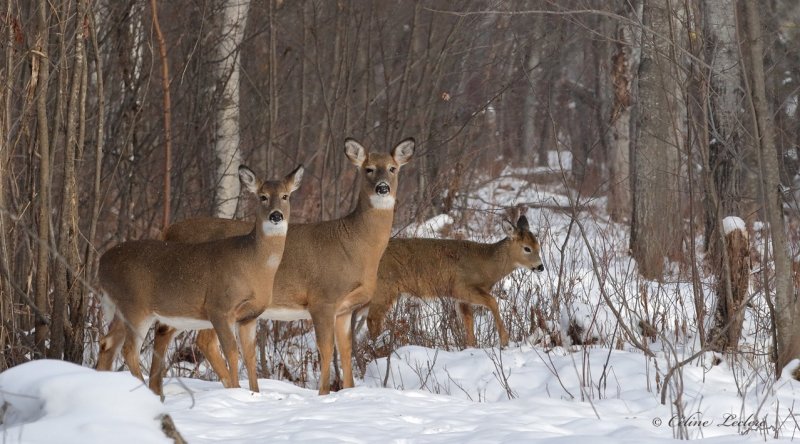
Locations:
(379, 171)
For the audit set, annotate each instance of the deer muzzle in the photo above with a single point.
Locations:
(538, 269)
(382, 188)
(276, 217)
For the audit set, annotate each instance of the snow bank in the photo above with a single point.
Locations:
(523, 394)
(57, 401)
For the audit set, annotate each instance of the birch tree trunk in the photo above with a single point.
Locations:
(624, 63)
(660, 138)
(226, 146)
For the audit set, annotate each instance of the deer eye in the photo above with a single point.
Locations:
(370, 170)
(285, 197)
(264, 198)
(393, 169)
(527, 249)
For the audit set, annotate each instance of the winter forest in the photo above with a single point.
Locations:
(627, 171)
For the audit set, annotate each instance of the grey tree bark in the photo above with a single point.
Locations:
(787, 303)
(729, 255)
(656, 222)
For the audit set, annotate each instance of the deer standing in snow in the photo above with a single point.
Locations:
(463, 270)
(329, 269)
(224, 284)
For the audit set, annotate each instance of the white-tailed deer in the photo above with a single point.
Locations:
(329, 268)
(463, 270)
(222, 284)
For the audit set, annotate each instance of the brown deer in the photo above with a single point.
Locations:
(222, 284)
(328, 269)
(463, 270)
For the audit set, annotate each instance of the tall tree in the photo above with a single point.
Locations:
(226, 145)
(624, 63)
(68, 270)
(7, 317)
(41, 65)
(725, 158)
(787, 303)
(659, 141)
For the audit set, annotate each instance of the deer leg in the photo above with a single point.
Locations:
(136, 330)
(501, 328)
(344, 344)
(208, 343)
(227, 339)
(323, 320)
(163, 336)
(375, 319)
(111, 344)
(465, 310)
(247, 339)
(477, 296)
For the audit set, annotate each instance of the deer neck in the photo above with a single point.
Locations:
(501, 252)
(268, 238)
(370, 221)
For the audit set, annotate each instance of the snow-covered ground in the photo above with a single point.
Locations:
(543, 387)
(606, 396)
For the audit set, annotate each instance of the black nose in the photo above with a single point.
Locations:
(276, 217)
(382, 189)
(540, 267)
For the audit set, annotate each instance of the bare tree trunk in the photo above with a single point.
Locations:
(660, 138)
(68, 266)
(162, 51)
(624, 63)
(8, 322)
(787, 305)
(226, 146)
(729, 253)
(91, 250)
(533, 71)
(272, 134)
(41, 63)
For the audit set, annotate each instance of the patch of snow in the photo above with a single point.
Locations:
(430, 228)
(565, 157)
(733, 223)
(57, 401)
(791, 106)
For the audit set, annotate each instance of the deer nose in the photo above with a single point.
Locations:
(382, 188)
(539, 268)
(276, 217)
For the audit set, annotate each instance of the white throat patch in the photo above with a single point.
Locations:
(271, 229)
(382, 202)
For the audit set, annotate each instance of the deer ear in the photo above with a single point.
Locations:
(295, 177)
(355, 152)
(403, 151)
(522, 224)
(510, 229)
(248, 179)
